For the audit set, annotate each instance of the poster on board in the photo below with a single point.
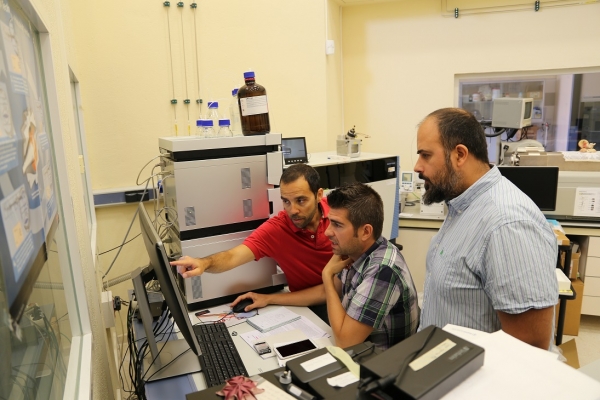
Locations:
(28, 207)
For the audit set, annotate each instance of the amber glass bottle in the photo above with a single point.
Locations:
(254, 110)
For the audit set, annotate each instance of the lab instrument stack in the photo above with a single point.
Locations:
(216, 192)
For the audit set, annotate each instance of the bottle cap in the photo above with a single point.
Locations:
(199, 122)
(213, 104)
(224, 122)
(208, 122)
(234, 92)
(248, 74)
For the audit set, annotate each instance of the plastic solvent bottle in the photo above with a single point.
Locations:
(213, 113)
(254, 110)
(200, 128)
(234, 114)
(224, 130)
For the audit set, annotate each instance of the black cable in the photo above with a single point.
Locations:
(121, 245)
(371, 347)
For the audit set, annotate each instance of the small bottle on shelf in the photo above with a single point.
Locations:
(224, 130)
(200, 128)
(209, 131)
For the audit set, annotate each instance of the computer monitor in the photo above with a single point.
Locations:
(175, 353)
(539, 183)
(294, 150)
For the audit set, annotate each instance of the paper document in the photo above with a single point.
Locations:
(273, 319)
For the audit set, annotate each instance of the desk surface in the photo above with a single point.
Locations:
(177, 388)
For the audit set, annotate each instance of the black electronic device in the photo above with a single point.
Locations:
(295, 348)
(304, 379)
(294, 150)
(426, 365)
(174, 357)
(220, 359)
(539, 183)
(241, 306)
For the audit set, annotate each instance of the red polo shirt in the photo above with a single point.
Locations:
(300, 253)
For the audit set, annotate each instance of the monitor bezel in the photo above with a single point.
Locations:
(302, 160)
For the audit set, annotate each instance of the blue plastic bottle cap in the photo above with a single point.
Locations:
(208, 122)
(234, 91)
(249, 74)
(213, 104)
(199, 122)
(224, 122)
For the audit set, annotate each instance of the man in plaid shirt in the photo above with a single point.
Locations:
(378, 296)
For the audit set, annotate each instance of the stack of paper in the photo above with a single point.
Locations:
(273, 319)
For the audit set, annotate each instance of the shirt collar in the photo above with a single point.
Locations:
(482, 185)
(358, 264)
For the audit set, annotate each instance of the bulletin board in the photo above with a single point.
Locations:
(28, 208)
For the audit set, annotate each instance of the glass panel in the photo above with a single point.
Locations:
(82, 155)
(35, 324)
(478, 99)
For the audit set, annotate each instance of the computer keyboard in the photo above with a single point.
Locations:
(220, 359)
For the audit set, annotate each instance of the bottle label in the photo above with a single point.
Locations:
(254, 105)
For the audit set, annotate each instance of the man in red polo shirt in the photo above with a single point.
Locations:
(295, 239)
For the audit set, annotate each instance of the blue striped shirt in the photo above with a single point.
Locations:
(494, 252)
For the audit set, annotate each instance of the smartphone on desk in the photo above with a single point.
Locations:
(295, 349)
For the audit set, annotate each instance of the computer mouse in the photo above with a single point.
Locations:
(240, 307)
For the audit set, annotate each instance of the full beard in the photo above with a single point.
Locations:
(446, 188)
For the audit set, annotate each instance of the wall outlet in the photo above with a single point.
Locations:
(329, 47)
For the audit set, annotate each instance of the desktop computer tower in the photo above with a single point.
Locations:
(216, 192)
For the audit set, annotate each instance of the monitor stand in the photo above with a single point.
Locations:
(174, 357)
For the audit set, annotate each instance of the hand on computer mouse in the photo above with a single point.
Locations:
(241, 306)
(255, 301)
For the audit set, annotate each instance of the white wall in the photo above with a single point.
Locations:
(126, 57)
(402, 60)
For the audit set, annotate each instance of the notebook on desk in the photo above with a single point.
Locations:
(273, 319)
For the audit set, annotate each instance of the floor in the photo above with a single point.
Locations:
(588, 340)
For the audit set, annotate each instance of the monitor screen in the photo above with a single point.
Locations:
(166, 277)
(294, 150)
(539, 183)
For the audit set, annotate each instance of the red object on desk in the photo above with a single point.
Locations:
(239, 388)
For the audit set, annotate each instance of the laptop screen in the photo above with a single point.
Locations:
(294, 150)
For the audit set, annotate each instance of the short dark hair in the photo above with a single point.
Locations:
(457, 126)
(363, 203)
(297, 171)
